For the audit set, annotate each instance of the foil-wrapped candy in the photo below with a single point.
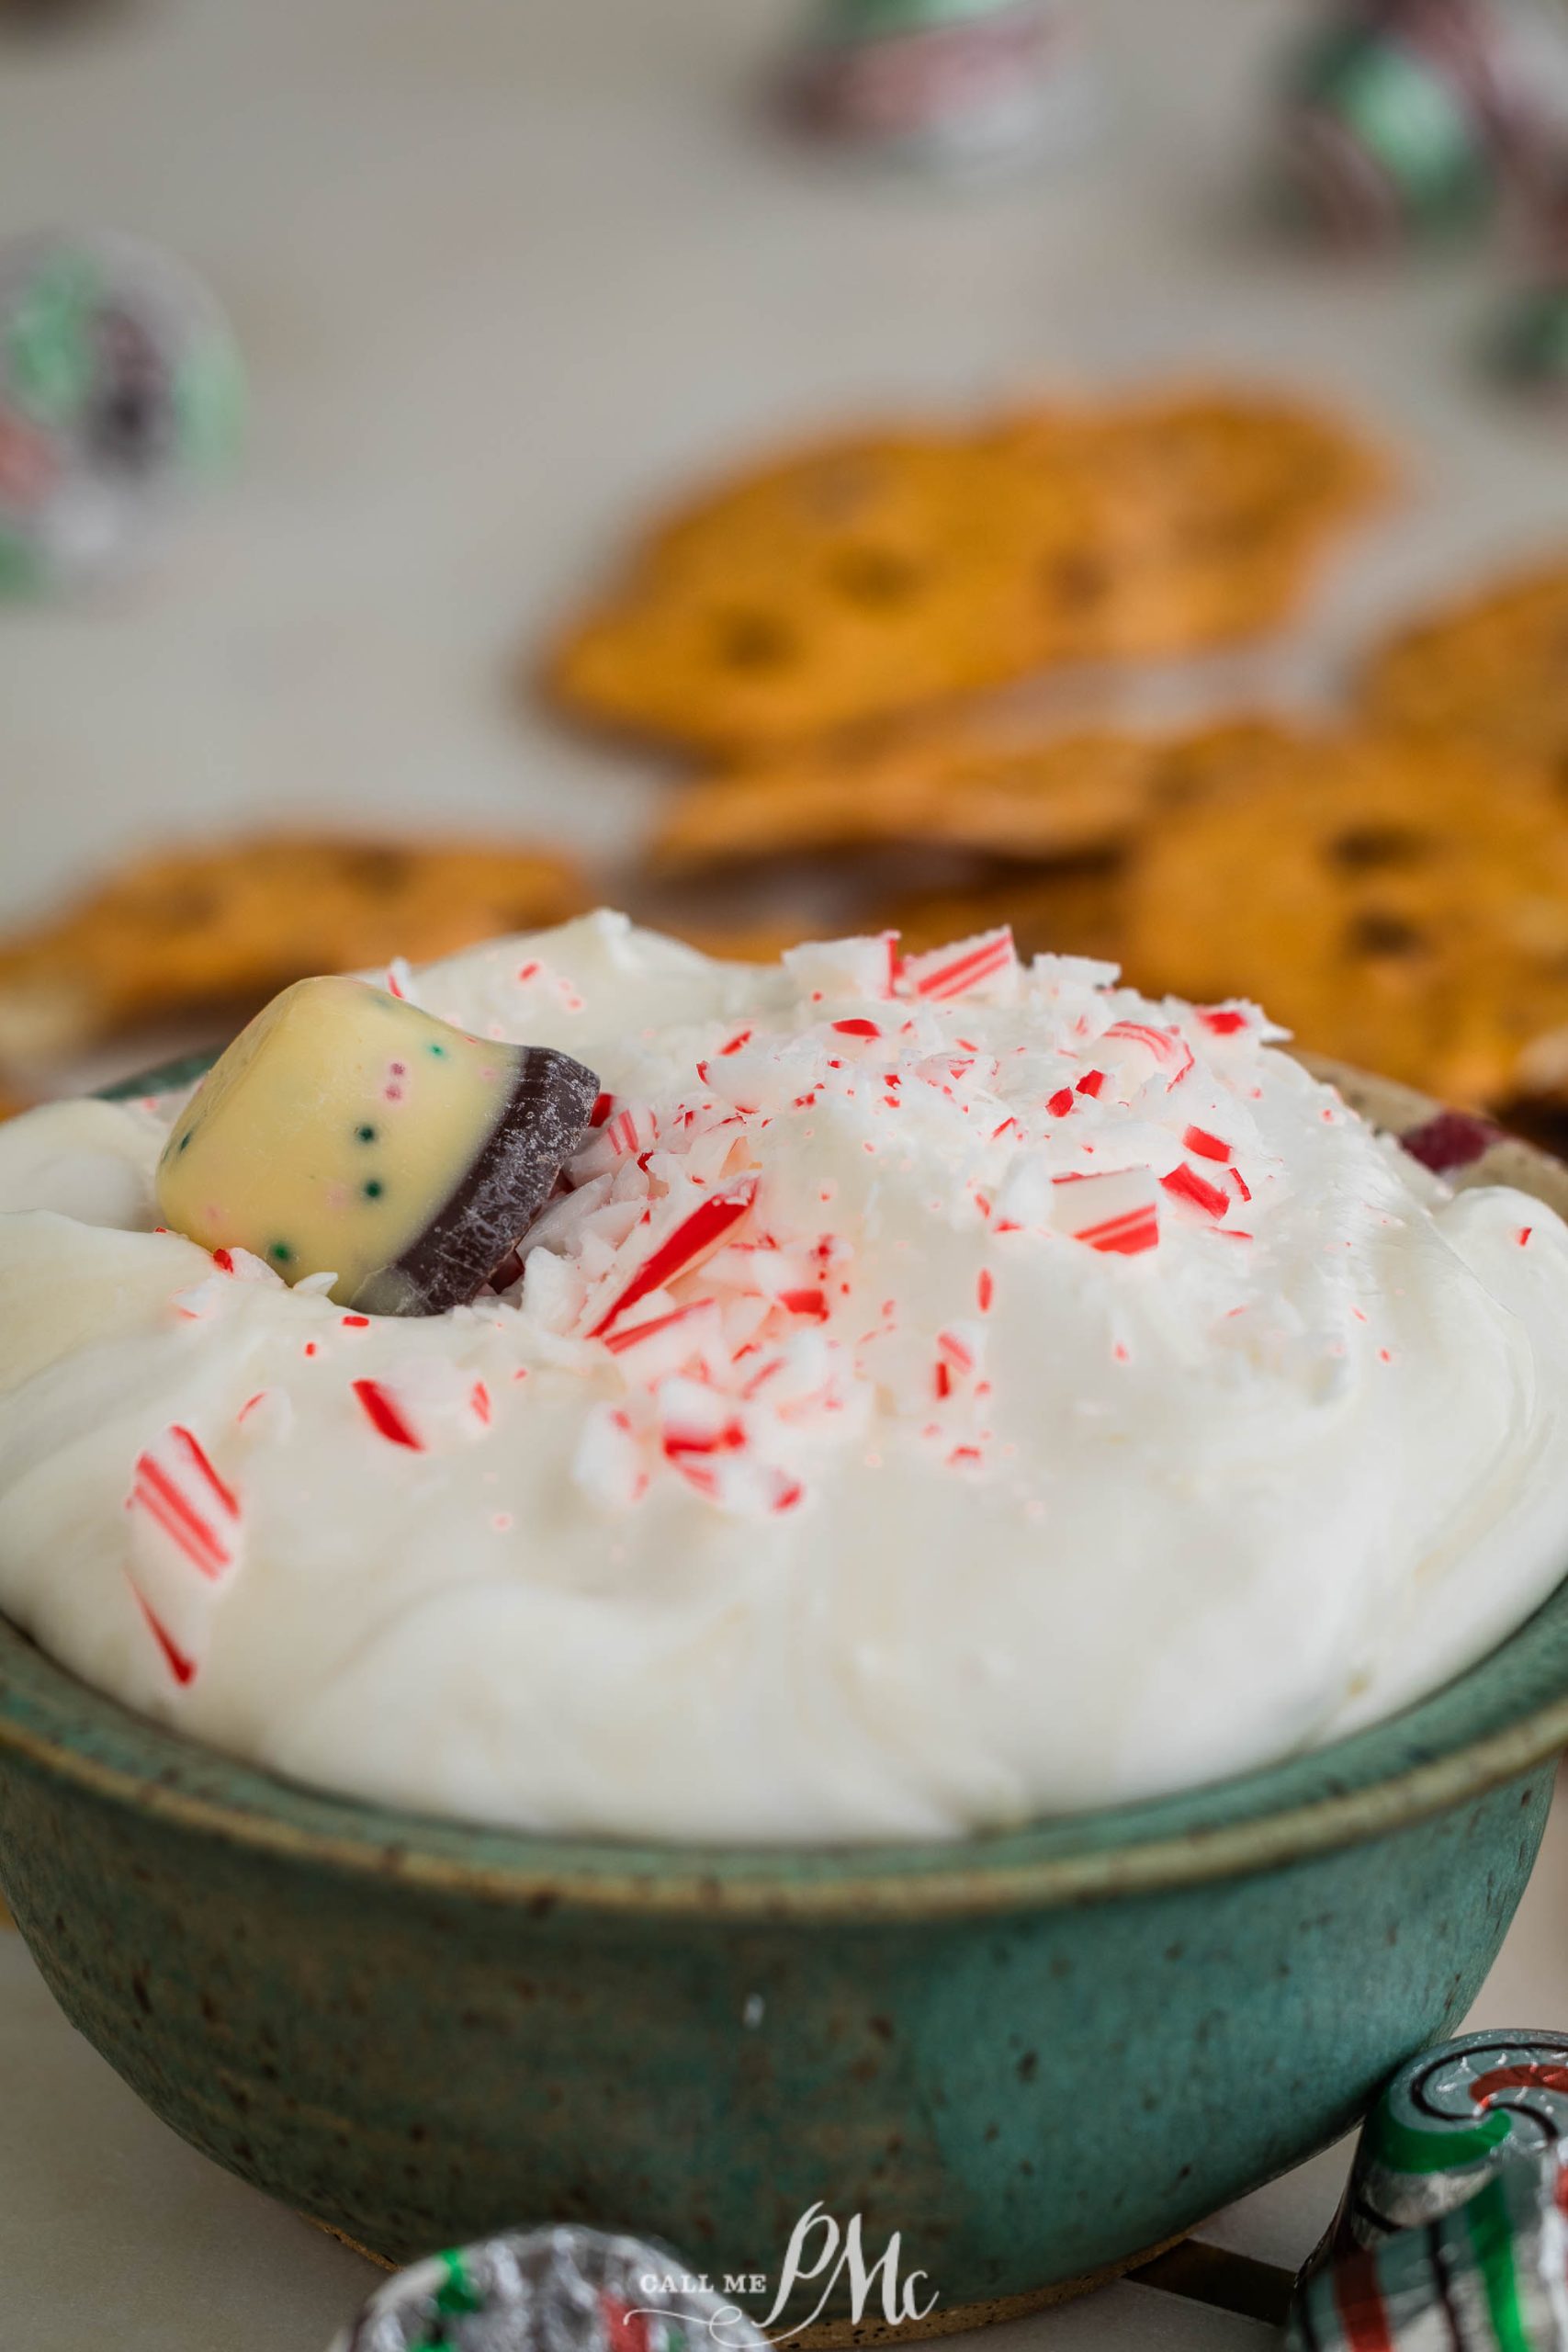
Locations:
(119, 388)
(1453, 2229)
(1532, 344)
(943, 85)
(557, 2289)
(1401, 121)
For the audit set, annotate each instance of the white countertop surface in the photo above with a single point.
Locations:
(502, 270)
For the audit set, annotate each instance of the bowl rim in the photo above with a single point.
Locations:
(1490, 1726)
(1464, 1741)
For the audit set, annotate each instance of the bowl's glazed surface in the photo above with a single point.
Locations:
(1033, 2054)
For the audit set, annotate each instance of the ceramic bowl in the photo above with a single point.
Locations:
(1034, 2056)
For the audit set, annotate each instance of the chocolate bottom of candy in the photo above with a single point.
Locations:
(541, 1124)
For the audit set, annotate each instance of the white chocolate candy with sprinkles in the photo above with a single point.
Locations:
(937, 1392)
(348, 1131)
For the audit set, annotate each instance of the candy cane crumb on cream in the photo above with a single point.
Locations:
(940, 1391)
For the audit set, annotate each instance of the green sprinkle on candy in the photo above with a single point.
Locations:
(366, 1134)
(372, 1190)
(439, 1051)
(185, 1141)
(281, 1251)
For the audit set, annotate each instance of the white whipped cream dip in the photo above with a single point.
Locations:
(1008, 1394)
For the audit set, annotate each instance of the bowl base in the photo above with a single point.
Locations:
(947, 2319)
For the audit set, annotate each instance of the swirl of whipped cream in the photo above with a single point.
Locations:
(942, 1391)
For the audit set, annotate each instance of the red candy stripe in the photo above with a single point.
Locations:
(189, 1446)
(981, 960)
(1185, 1184)
(182, 1667)
(624, 2330)
(632, 1128)
(636, 1333)
(1127, 1236)
(1170, 1050)
(1118, 1211)
(182, 1500)
(694, 1239)
(384, 1417)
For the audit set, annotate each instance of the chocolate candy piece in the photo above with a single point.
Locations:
(120, 384)
(345, 1129)
(564, 2289)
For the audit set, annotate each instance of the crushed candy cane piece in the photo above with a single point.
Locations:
(1184, 1183)
(1116, 1212)
(185, 1520)
(698, 1235)
(844, 967)
(610, 1463)
(1146, 1048)
(984, 966)
(1206, 1146)
(680, 1265)
(382, 1412)
(426, 1404)
(177, 1486)
(630, 1127)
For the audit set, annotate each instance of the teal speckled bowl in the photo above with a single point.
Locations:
(1034, 2054)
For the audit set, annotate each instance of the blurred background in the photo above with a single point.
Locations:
(1118, 458)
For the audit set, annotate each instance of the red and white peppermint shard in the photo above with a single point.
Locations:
(828, 970)
(386, 1415)
(701, 1232)
(1118, 1213)
(631, 1127)
(426, 1406)
(185, 1542)
(1185, 1183)
(957, 1356)
(666, 1343)
(1138, 1050)
(986, 966)
(611, 1462)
